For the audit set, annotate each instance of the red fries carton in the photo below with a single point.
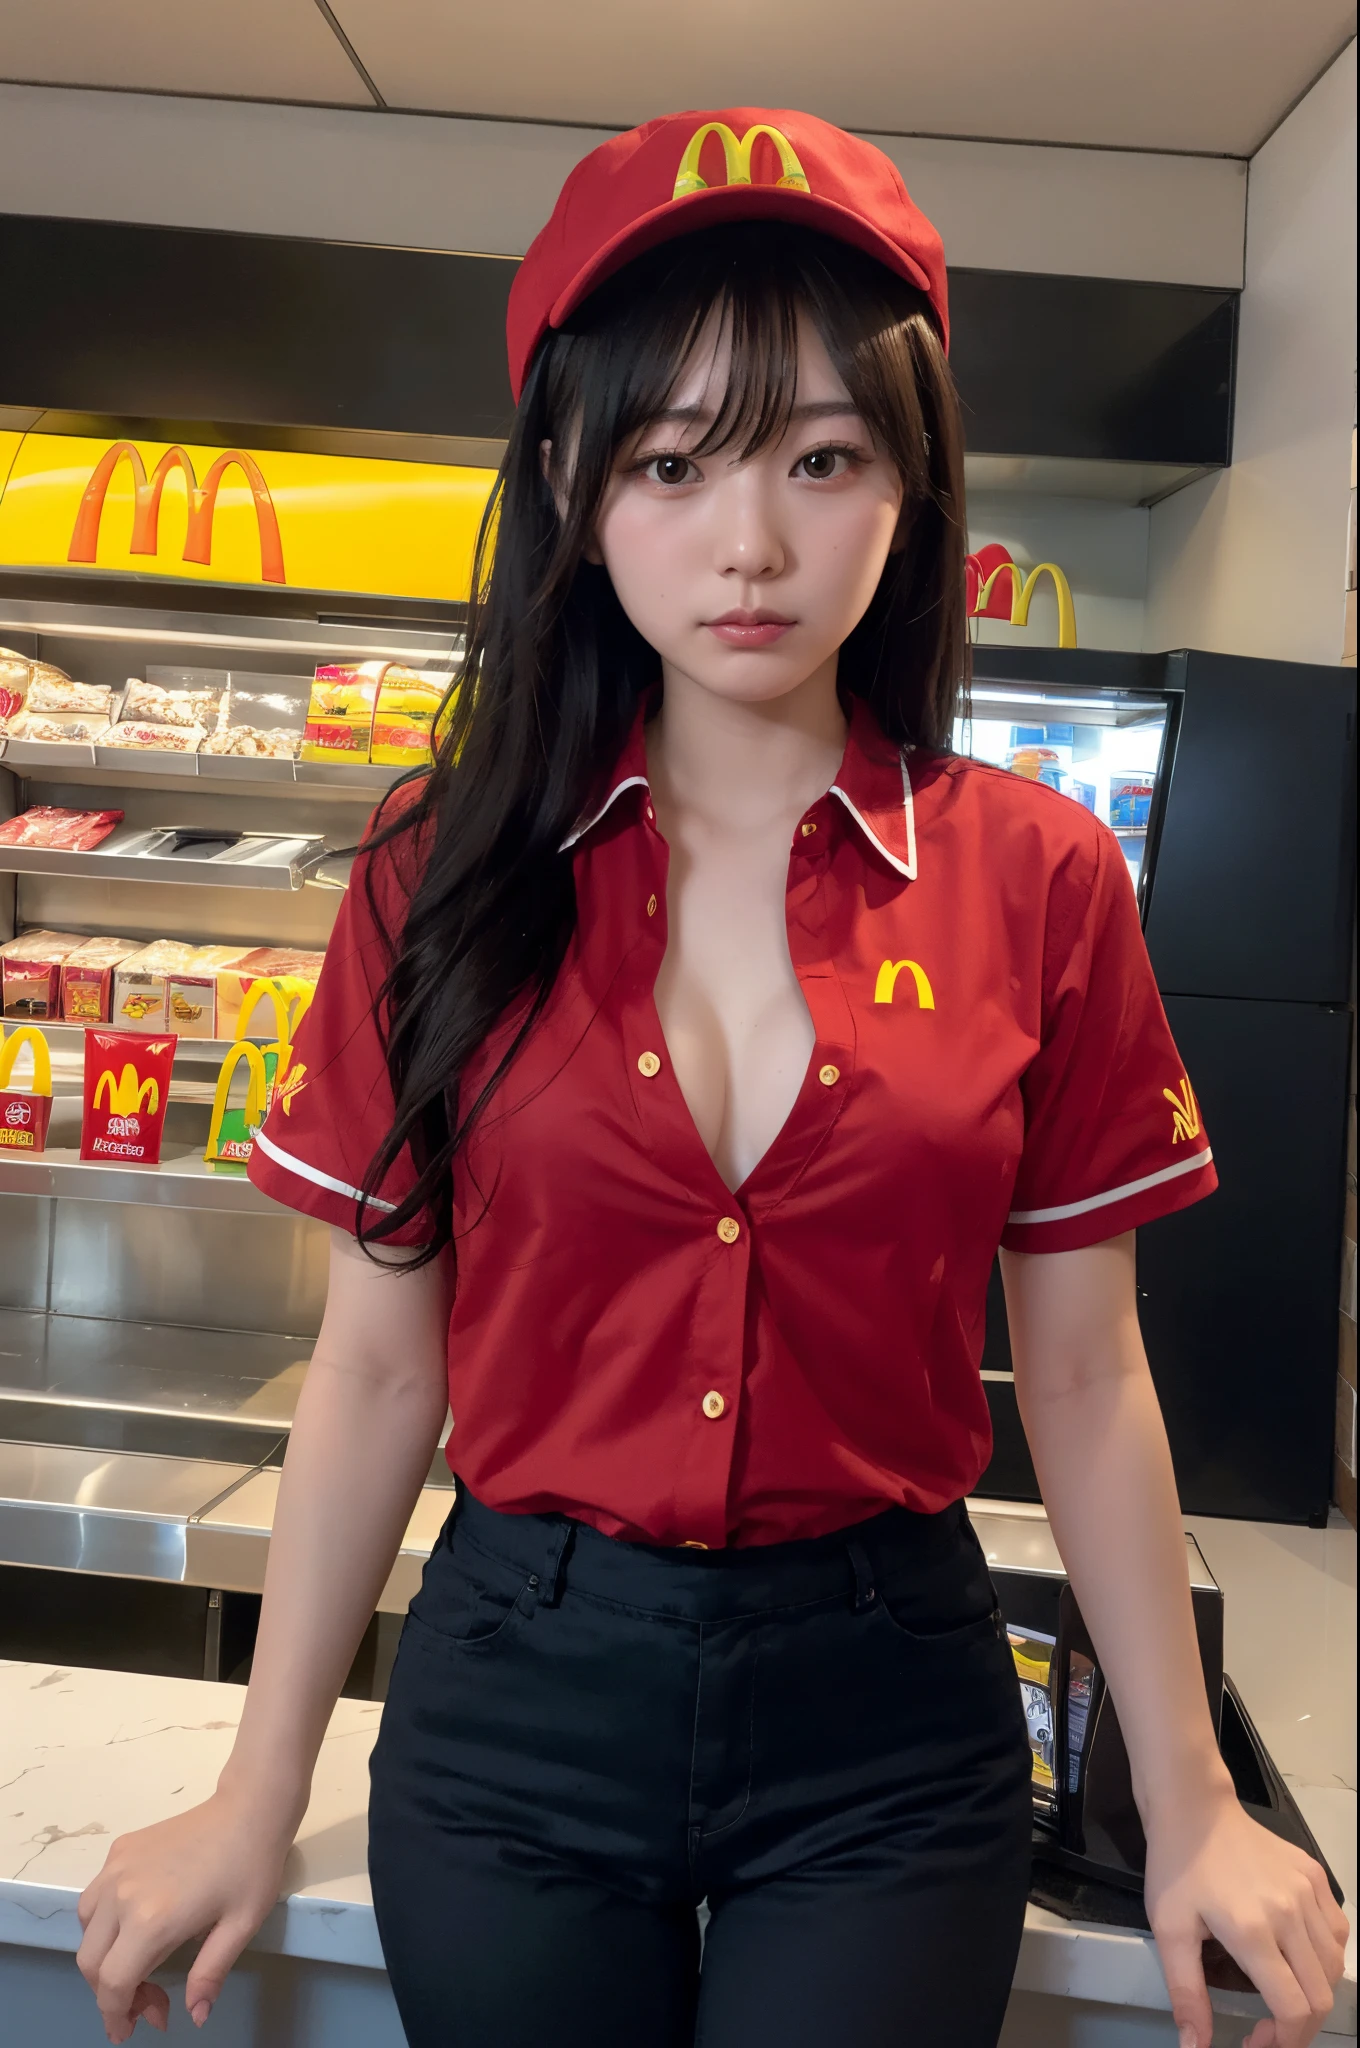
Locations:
(25, 1112)
(127, 1086)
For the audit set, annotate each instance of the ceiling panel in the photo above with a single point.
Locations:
(254, 49)
(1213, 75)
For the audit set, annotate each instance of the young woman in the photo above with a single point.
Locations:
(689, 1041)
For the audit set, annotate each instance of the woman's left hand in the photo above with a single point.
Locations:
(1213, 1871)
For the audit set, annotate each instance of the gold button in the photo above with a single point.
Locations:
(691, 1544)
(651, 906)
(808, 829)
(829, 1076)
(649, 1064)
(729, 1230)
(714, 1405)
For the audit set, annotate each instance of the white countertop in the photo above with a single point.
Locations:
(87, 1754)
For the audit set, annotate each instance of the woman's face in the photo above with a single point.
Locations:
(747, 576)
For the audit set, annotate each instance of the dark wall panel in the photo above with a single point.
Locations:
(171, 323)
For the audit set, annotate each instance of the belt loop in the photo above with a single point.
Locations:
(555, 1563)
(864, 1578)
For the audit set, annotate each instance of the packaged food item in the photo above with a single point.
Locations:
(153, 704)
(166, 739)
(140, 994)
(249, 742)
(1033, 1654)
(231, 1133)
(191, 991)
(340, 715)
(87, 979)
(55, 731)
(51, 691)
(1036, 764)
(1131, 805)
(404, 716)
(127, 1087)
(16, 672)
(51, 826)
(30, 971)
(264, 992)
(25, 1112)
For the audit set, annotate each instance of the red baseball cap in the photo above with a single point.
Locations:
(688, 171)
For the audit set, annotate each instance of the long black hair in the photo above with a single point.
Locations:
(554, 670)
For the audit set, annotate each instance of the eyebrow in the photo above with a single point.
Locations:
(811, 409)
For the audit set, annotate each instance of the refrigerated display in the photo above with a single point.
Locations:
(156, 1320)
(1231, 786)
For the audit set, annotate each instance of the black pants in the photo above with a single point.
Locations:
(585, 1738)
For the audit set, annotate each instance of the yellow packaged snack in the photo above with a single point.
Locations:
(340, 714)
(403, 722)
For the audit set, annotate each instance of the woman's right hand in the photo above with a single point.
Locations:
(214, 1871)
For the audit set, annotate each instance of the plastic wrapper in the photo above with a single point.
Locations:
(160, 705)
(253, 743)
(165, 739)
(30, 972)
(49, 825)
(127, 1087)
(16, 672)
(87, 979)
(191, 991)
(262, 994)
(25, 1109)
(404, 717)
(55, 731)
(49, 691)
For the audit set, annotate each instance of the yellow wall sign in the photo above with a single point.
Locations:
(240, 515)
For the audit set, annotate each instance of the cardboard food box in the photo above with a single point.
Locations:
(87, 979)
(274, 1012)
(404, 717)
(30, 970)
(191, 991)
(340, 714)
(140, 994)
(25, 1112)
(127, 1087)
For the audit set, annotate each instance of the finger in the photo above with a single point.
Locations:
(152, 2004)
(1298, 1951)
(1258, 1952)
(1327, 1946)
(208, 1972)
(100, 1934)
(1180, 1949)
(141, 1946)
(1337, 1923)
(89, 1900)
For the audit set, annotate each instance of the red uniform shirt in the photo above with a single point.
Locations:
(635, 1345)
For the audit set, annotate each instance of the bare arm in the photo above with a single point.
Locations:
(367, 1422)
(1099, 1445)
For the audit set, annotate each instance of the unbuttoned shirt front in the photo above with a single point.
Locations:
(635, 1345)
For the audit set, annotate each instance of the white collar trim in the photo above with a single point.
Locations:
(629, 782)
(905, 867)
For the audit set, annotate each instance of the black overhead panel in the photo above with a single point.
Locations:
(174, 324)
(1093, 367)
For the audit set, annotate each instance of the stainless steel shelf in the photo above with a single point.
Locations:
(361, 640)
(66, 1042)
(183, 1180)
(132, 854)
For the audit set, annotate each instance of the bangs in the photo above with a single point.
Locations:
(744, 286)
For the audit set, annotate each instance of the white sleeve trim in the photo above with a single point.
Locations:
(314, 1173)
(629, 782)
(1132, 1187)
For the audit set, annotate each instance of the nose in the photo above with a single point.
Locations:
(748, 544)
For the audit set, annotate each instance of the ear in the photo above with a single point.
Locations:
(591, 551)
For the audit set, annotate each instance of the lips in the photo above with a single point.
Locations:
(750, 629)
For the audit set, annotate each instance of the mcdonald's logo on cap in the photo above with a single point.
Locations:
(737, 156)
(202, 505)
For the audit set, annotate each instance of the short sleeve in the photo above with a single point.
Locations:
(1113, 1131)
(335, 1106)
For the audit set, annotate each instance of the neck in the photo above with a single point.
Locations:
(734, 761)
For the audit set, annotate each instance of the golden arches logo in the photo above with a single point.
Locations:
(291, 997)
(1185, 1121)
(293, 1084)
(28, 1036)
(737, 155)
(128, 1094)
(886, 984)
(146, 511)
(1022, 590)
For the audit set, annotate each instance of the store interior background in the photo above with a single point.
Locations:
(1209, 145)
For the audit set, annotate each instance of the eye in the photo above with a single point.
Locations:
(821, 464)
(671, 469)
